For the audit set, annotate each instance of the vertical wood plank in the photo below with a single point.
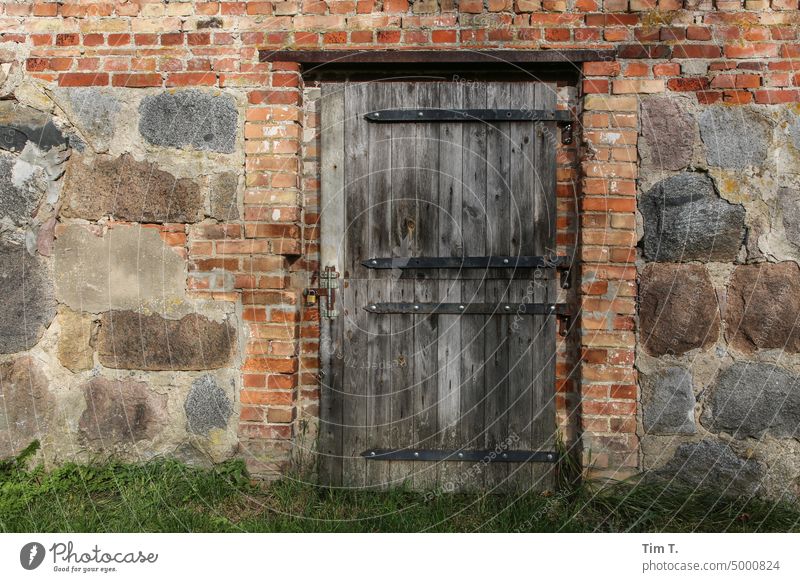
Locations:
(451, 244)
(426, 328)
(543, 413)
(521, 328)
(474, 234)
(353, 295)
(404, 244)
(498, 215)
(379, 409)
(332, 108)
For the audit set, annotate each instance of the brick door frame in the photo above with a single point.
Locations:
(596, 392)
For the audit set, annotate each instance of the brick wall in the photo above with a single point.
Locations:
(732, 52)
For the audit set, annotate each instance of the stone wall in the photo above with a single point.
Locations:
(720, 292)
(105, 350)
(159, 212)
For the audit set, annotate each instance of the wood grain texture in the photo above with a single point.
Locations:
(440, 381)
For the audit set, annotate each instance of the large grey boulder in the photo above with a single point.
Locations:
(189, 118)
(207, 406)
(735, 137)
(711, 464)
(685, 220)
(94, 111)
(27, 303)
(668, 402)
(750, 399)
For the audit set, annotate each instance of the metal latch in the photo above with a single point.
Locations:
(328, 284)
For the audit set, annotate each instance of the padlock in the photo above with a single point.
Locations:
(311, 297)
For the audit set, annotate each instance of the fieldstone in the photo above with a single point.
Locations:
(92, 110)
(27, 305)
(678, 309)
(133, 341)
(22, 187)
(789, 202)
(750, 399)
(195, 118)
(224, 202)
(129, 190)
(126, 268)
(794, 130)
(20, 124)
(207, 406)
(711, 464)
(761, 309)
(121, 411)
(685, 220)
(734, 137)
(667, 134)
(668, 402)
(26, 405)
(74, 339)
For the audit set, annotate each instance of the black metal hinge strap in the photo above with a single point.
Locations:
(494, 262)
(427, 115)
(560, 309)
(486, 456)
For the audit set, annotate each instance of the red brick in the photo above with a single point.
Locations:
(688, 84)
(36, 64)
(596, 86)
(443, 36)
(49, 9)
(696, 51)
(67, 39)
(737, 97)
(749, 51)
(118, 39)
(82, 79)
(136, 80)
(778, 96)
(93, 39)
(191, 79)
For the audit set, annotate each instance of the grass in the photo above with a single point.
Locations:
(167, 496)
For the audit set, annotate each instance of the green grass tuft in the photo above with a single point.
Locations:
(167, 496)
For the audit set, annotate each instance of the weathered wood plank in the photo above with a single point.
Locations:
(521, 328)
(474, 234)
(379, 411)
(403, 243)
(426, 328)
(451, 158)
(543, 414)
(332, 190)
(498, 216)
(353, 349)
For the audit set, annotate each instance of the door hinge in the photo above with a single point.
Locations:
(328, 284)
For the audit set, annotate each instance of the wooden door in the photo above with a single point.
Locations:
(440, 376)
